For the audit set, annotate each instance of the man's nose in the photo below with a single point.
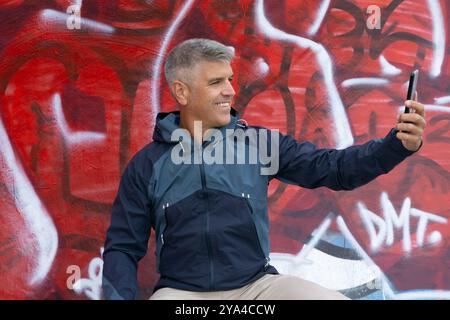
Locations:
(228, 90)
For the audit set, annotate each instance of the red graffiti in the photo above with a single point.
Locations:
(77, 104)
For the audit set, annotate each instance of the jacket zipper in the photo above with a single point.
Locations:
(165, 206)
(208, 243)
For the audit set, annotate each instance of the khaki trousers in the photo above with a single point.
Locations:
(269, 287)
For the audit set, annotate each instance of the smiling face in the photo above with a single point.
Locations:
(208, 95)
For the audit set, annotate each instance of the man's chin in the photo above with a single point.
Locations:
(225, 122)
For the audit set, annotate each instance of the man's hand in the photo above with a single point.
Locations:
(411, 125)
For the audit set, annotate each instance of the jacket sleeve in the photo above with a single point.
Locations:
(303, 164)
(128, 234)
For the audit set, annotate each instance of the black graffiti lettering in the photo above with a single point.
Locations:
(441, 134)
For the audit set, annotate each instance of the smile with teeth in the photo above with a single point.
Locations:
(223, 104)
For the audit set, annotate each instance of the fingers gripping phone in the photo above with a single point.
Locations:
(412, 87)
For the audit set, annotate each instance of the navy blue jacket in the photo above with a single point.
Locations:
(210, 220)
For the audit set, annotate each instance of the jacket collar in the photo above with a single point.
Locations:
(167, 122)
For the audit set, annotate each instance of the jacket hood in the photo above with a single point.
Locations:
(167, 122)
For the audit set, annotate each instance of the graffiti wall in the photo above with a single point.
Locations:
(81, 83)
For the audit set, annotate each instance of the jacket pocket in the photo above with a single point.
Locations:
(247, 201)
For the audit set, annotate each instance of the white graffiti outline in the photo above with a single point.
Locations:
(364, 82)
(343, 134)
(442, 100)
(69, 136)
(33, 211)
(317, 235)
(91, 286)
(319, 19)
(61, 17)
(387, 68)
(156, 78)
(335, 273)
(385, 234)
(428, 107)
(387, 288)
(438, 37)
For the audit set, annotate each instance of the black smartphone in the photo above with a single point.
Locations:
(412, 87)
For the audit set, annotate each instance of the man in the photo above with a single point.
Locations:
(209, 210)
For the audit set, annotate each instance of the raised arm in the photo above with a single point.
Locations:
(303, 164)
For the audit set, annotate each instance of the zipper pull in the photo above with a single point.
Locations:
(181, 145)
(162, 238)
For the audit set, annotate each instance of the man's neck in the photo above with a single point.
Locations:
(195, 127)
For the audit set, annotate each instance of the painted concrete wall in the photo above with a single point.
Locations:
(81, 82)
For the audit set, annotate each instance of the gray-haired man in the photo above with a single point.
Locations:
(211, 219)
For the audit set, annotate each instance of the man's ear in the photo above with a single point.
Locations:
(180, 92)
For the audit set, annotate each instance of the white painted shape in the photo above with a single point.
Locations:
(387, 68)
(387, 290)
(442, 100)
(370, 220)
(424, 217)
(434, 238)
(162, 52)
(60, 17)
(392, 220)
(428, 107)
(343, 134)
(319, 18)
(326, 270)
(317, 235)
(32, 210)
(91, 286)
(438, 37)
(262, 68)
(70, 137)
(342, 226)
(364, 82)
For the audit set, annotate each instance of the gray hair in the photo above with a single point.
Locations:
(190, 52)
